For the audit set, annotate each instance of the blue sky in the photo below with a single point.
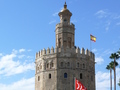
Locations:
(27, 26)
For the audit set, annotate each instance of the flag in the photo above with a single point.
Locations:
(79, 85)
(93, 38)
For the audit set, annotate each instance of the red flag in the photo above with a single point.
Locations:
(79, 85)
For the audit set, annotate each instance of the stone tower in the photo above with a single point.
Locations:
(57, 67)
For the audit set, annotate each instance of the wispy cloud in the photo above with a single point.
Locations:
(24, 84)
(52, 21)
(107, 25)
(55, 14)
(108, 18)
(118, 24)
(101, 14)
(74, 21)
(94, 50)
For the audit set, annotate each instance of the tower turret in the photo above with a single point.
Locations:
(65, 29)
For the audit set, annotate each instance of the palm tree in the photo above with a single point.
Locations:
(114, 56)
(111, 67)
(119, 83)
(119, 57)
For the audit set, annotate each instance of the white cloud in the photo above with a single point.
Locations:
(22, 50)
(99, 60)
(10, 65)
(1, 54)
(52, 21)
(24, 84)
(103, 79)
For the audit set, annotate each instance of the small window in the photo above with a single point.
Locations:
(52, 64)
(38, 68)
(65, 75)
(68, 64)
(49, 76)
(65, 20)
(80, 75)
(83, 65)
(38, 78)
(48, 65)
(59, 40)
(61, 64)
(78, 65)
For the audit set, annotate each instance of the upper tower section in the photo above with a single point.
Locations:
(65, 15)
(65, 29)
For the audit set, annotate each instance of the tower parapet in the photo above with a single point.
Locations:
(81, 52)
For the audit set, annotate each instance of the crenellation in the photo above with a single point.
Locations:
(78, 50)
(41, 52)
(52, 50)
(87, 52)
(56, 49)
(48, 50)
(83, 51)
(44, 51)
(36, 55)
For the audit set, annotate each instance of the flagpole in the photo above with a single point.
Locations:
(90, 45)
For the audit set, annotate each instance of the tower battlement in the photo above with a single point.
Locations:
(79, 52)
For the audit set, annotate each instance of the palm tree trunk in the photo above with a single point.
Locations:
(114, 76)
(110, 79)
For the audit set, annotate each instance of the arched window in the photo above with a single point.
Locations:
(49, 76)
(77, 64)
(65, 75)
(69, 42)
(80, 75)
(38, 78)
(61, 64)
(64, 44)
